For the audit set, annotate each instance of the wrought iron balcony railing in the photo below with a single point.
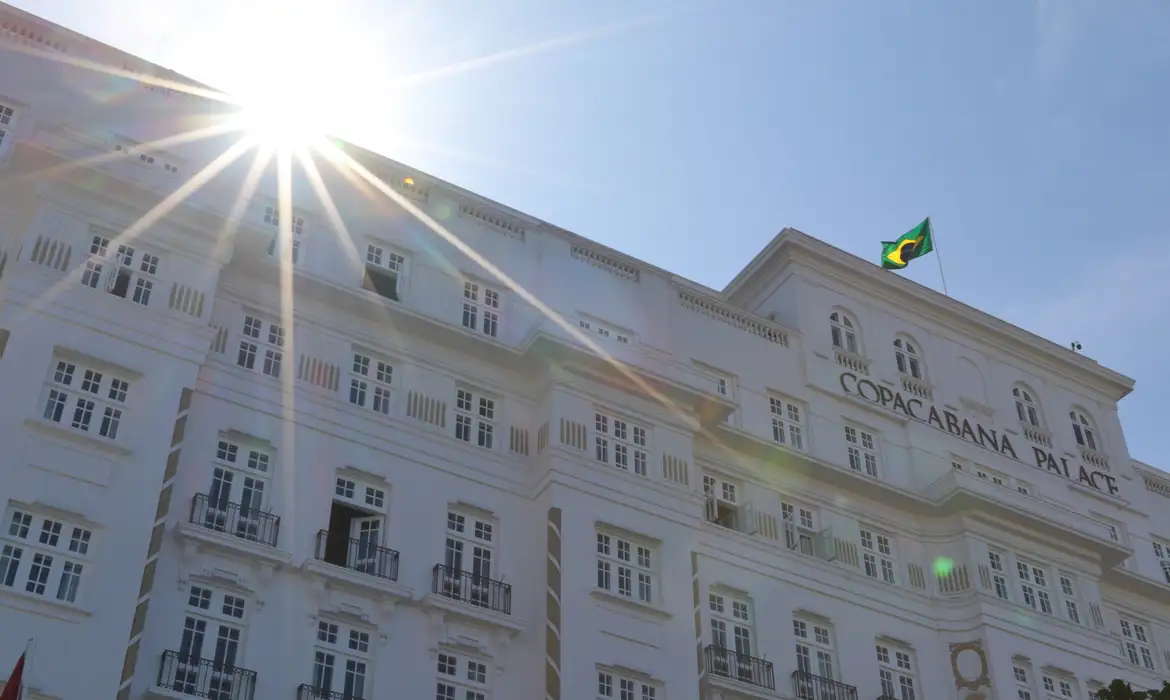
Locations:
(807, 686)
(361, 555)
(311, 692)
(205, 678)
(728, 663)
(249, 524)
(476, 590)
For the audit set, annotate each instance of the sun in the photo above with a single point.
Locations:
(276, 122)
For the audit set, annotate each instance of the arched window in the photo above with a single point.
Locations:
(1026, 408)
(1083, 429)
(844, 332)
(907, 357)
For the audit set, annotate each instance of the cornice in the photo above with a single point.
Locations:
(793, 248)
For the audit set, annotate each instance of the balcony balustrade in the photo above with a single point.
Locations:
(356, 554)
(473, 589)
(806, 686)
(728, 663)
(246, 523)
(205, 678)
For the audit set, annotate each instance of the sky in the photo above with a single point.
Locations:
(687, 133)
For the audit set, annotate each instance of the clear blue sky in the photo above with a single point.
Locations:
(1035, 134)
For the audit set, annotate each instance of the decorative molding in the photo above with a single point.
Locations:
(319, 373)
(962, 682)
(721, 311)
(504, 224)
(608, 263)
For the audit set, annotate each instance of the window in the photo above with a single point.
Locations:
(357, 519)
(723, 505)
(237, 496)
(481, 308)
(844, 332)
(815, 655)
(625, 567)
(998, 573)
(877, 555)
(618, 442)
(472, 535)
(896, 671)
(786, 422)
(370, 383)
(1021, 674)
(1162, 553)
(607, 332)
(268, 345)
(1068, 591)
(6, 117)
(1135, 643)
(341, 660)
(385, 271)
(907, 358)
(475, 416)
(1058, 687)
(272, 217)
(43, 555)
(1034, 587)
(132, 273)
(612, 684)
(799, 528)
(1026, 408)
(862, 448)
(87, 399)
(1083, 430)
(212, 631)
(461, 677)
(731, 634)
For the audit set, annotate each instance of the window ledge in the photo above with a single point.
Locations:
(739, 688)
(228, 542)
(71, 435)
(434, 601)
(635, 606)
(41, 605)
(365, 583)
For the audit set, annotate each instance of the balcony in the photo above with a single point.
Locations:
(203, 678)
(362, 556)
(248, 524)
(741, 668)
(806, 686)
(309, 692)
(472, 589)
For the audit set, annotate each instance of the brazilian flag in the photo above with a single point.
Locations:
(918, 242)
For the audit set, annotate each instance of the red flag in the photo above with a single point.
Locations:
(12, 687)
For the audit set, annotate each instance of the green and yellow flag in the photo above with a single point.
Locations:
(918, 242)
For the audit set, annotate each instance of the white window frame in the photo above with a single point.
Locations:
(342, 650)
(787, 422)
(1033, 580)
(1084, 430)
(371, 382)
(722, 493)
(908, 360)
(139, 267)
(998, 562)
(800, 527)
(1022, 675)
(45, 555)
(1162, 554)
(8, 116)
(461, 676)
(613, 684)
(261, 345)
(385, 258)
(863, 448)
(896, 674)
(225, 612)
(1058, 686)
(844, 333)
(1071, 608)
(1027, 408)
(621, 443)
(1137, 646)
(816, 652)
(627, 567)
(475, 417)
(482, 308)
(878, 557)
(245, 469)
(604, 330)
(272, 218)
(731, 623)
(85, 397)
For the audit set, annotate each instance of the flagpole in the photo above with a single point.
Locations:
(938, 257)
(29, 646)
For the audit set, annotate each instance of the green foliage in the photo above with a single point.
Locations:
(1120, 690)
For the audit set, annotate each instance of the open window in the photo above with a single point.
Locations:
(384, 271)
(356, 534)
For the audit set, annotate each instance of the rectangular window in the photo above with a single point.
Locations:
(272, 217)
(370, 383)
(815, 656)
(86, 399)
(341, 660)
(7, 114)
(475, 418)
(619, 442)
(862, 449)
(732, 635)
(995, 561)
(213, 630)
(237, 497)
(1033, 583)
(474, 536)
(1022, 676)
(261, 346)
(1135, 643)
(619, 686)
(1162, 554)
(896, 672)
(787, 422)
(385, 271)
(130, 274)
(43, 555)
(723, 507)
(799, 527)
(877, 554)
(481, 309)
(625, 567)
(608, 332)
(461, 677)
(1068, 592)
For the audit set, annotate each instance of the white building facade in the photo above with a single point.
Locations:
(385, 473)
